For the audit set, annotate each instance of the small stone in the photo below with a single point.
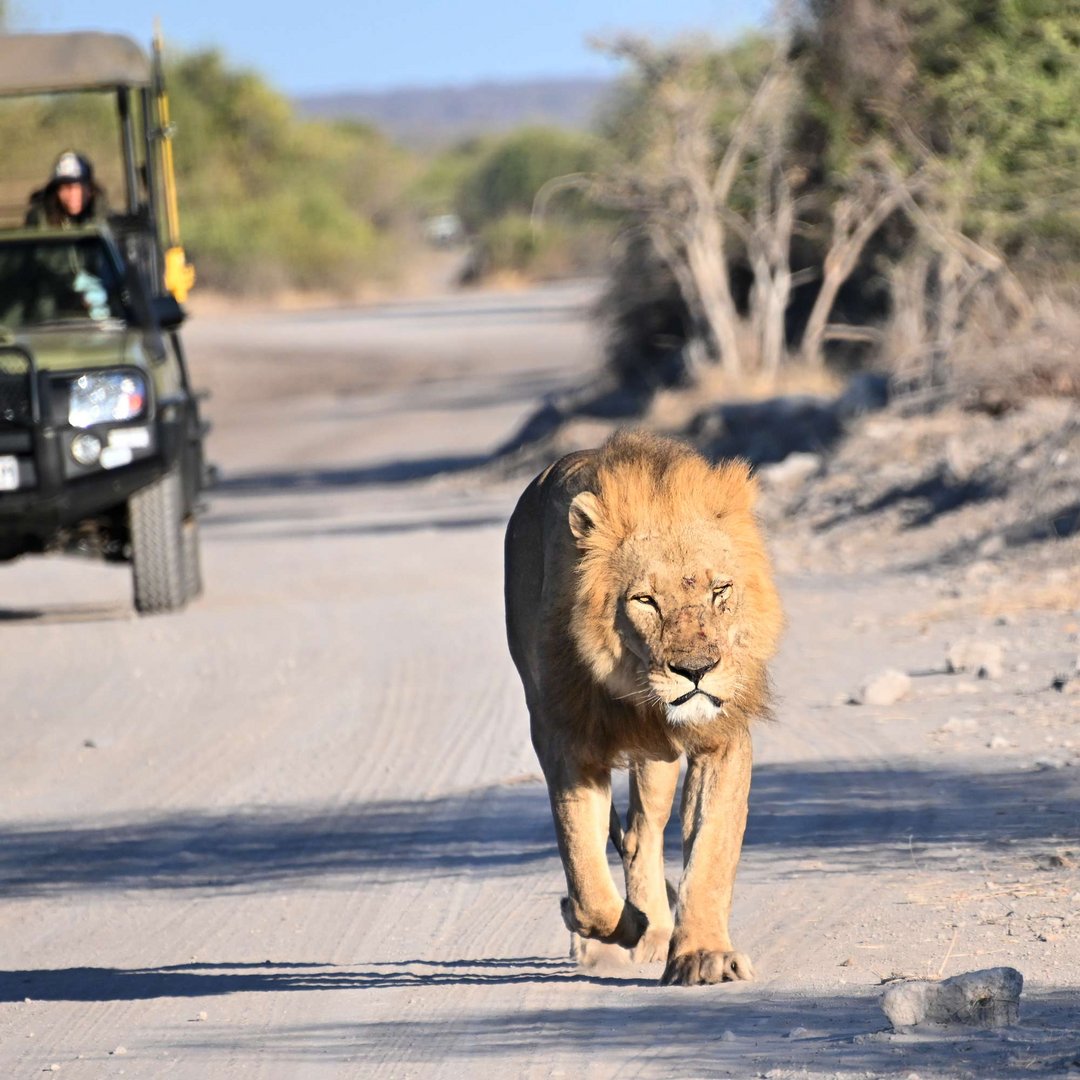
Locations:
(987, 999)
(52, 1068)
(886, 688)
(960, 725)
(728, 1036)
(847, 962)
(119, 1051)
(983, 658)
(991, 546)
(870, 1037)
(998, 742)
(89, 744)
(1045, 763)
(798, 1033)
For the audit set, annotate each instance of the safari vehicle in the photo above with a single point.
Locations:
(101, 440)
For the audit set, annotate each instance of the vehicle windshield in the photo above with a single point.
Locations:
(53, 280)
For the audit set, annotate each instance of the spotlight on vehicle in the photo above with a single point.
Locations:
(86, 448)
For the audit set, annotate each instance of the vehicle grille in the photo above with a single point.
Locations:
(16, 403)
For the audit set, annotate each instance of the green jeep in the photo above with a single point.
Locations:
(101, 441)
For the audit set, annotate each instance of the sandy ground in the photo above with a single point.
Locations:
(298, 830)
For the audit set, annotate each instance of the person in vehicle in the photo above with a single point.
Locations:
(71, 197)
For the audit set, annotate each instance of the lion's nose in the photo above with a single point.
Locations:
(696, 673)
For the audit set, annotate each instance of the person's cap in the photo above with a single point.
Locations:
(72, 168)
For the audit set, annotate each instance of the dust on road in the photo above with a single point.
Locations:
(298, 831)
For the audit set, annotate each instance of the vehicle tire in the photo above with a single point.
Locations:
(189, 546)
(155, 521)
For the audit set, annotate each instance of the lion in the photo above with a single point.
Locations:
(641, 614)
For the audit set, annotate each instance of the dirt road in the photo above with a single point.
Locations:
(298, 830)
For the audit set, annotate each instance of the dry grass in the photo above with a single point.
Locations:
(672, 410)
(1041, 359)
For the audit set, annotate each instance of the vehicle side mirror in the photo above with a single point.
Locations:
(167, 311)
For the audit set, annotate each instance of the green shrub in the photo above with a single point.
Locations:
(506, 179)
(270, 201)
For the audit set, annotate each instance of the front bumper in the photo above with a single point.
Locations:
(54, 491)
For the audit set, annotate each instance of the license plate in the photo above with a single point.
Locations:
(9, 472)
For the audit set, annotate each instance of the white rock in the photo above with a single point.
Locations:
(960, 725)
(794, 469)
(886, 688)
(1046, 763)
(998, 742)
(728, 1036)
(983, 658)
(987, 999)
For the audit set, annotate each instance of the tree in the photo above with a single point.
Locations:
(701, 122)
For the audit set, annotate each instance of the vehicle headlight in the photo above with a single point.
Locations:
(111, 396)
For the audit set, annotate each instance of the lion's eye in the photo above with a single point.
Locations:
(645, 600)
(722, 593)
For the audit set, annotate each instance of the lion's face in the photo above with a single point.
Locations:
(680, 617)
(677, 608)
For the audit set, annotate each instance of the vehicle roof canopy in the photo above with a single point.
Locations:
(55, 63)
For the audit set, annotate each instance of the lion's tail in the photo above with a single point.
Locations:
(615, 832)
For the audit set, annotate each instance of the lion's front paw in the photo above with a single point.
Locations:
(653, 946)
(627, 930)
(702, 966)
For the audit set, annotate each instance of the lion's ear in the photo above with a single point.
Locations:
(736, 488)
(585, 514)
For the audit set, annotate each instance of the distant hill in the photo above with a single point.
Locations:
(434, 116)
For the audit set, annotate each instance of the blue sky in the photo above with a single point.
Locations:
(367, 45)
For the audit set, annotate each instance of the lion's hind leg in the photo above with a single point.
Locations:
(593, 955)
(652, 791)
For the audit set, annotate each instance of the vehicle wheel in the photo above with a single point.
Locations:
(189, 546)
(157, 550)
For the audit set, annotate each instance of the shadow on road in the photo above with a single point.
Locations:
(206, 980)
(723, 1028)
(68, 613)
(390, 472)
(315, 528)
(679, 1034)
(865, 818)
(496, 830)
(859, 819)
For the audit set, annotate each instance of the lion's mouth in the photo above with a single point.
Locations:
(693, 693)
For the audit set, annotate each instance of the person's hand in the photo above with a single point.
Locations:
(93, 294)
